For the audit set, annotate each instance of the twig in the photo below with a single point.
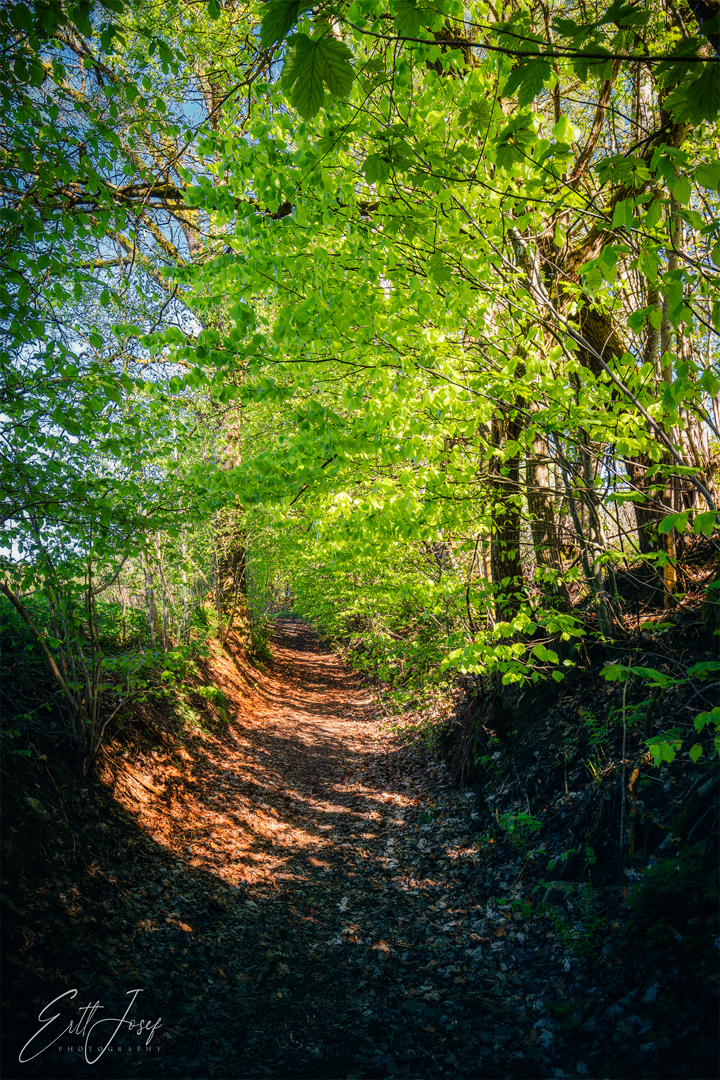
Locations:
(527, 800)
(139, 780)
(700, 692)
(305, 486)
(701, 818)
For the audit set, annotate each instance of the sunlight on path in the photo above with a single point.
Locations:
(327, 894)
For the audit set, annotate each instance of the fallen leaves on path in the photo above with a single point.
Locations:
(300, 897)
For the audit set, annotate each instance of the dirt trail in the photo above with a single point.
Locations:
(311, 893)
(296, 897)
(265, 801)
(310, 728)
(345, 937)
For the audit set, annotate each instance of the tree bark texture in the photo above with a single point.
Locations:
(543, 526)
(506, 567)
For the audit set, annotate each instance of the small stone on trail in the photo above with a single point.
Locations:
(37, 807)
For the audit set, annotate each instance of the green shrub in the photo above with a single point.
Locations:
(521, 829)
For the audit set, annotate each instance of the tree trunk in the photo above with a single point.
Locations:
(505, 564)
(577, 489)
(667, 540)
(231, 579)
(542, 518)
(150, 605)
(647, 510)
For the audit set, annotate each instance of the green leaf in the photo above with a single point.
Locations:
(622, 214)
(656, 317)
(314, 63)
(213, 9)
(528, 80)
(698, 96)
(304, 72)
(674, 521)
(79, 15)
(704, 668)
(695, 752)
(377, 168)
(546, 655)
(664, 746)
(338, 70)
(653, 677)
(619, 673)
(616, 672)
(705, 523)
(409, 19)
(682, 190)
(694, 219)
(705, 719)
(567, 27)
(709, 380)
(21, 18)
(624, 14)
(637, 320)
(565, 131)
(708, 175)
(278, 19)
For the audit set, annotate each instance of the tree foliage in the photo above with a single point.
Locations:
(429, 293)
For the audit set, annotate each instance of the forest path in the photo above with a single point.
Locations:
(309, 729)
(353, 947)
(294, 894)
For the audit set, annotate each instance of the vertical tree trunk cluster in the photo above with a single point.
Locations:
(506, 496)
(230, 576)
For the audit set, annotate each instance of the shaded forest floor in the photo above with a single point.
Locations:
(295, 894)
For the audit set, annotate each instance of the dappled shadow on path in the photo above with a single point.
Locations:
(277, 779)
(272, 893)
